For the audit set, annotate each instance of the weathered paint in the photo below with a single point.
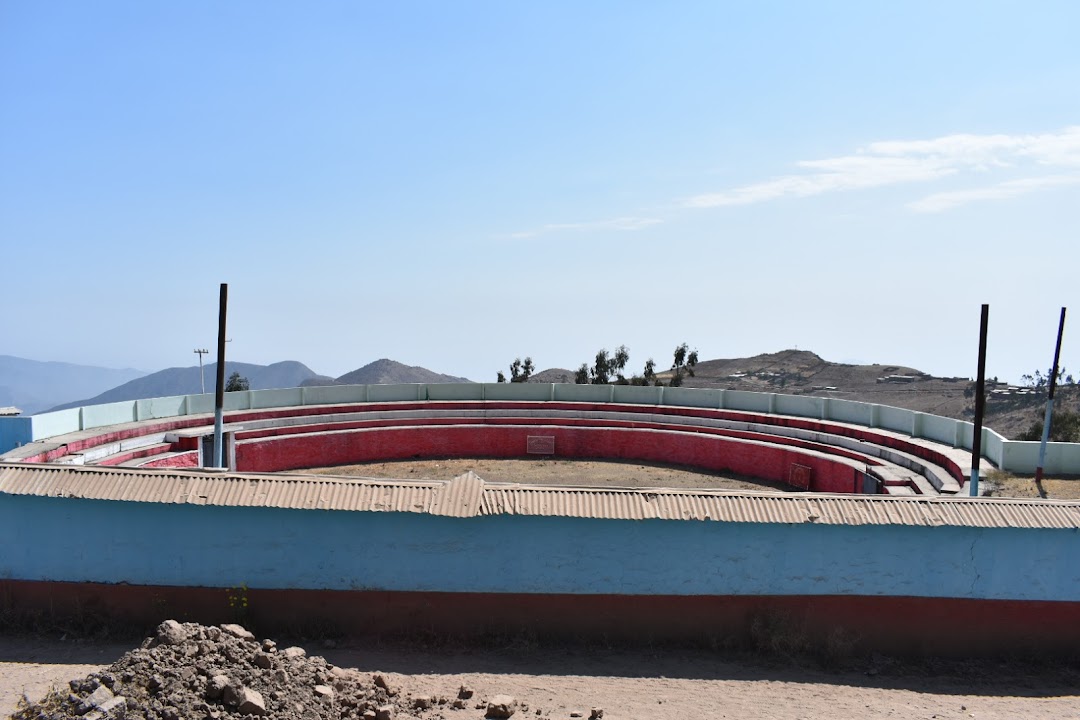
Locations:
(1012, 455)
(699, 450)
(824, 623)
(74, 540)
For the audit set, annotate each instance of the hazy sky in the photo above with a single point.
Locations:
(453, 184)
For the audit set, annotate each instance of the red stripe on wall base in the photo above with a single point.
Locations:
(908, 626)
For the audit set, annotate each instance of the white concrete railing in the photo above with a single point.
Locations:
(1012, 455)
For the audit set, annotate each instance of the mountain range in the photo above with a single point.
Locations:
(289, 373)
(34, 386)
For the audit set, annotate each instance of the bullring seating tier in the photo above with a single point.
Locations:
(815, 455)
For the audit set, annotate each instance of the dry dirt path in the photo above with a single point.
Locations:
(593, 473)
(661, 685)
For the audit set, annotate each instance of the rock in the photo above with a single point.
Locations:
(216, 687)
(422, 702)
(95, 700)
(269, 646)
(459, 704)
(294, 652)
(171, 632)
(384, 712)
(596, 713)
(114, 707)
(262, 660)
(251, 703)
(324, 691)
(233, 693)
(368, 715)
(465, 693)
(380, 681)
(237, 631)
(501, 706)
(576, 713)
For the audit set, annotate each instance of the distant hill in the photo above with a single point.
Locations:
(32, 385)
(800, 372)
(389, 372)
(185, 381)
(553, 375)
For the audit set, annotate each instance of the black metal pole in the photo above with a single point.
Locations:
(980, 404)
(1050, 400)
(219, 393)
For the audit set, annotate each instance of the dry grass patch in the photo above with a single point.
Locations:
(1057, 487)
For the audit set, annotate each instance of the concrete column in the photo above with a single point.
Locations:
(875, 411)
(916, 425)
(826, 408)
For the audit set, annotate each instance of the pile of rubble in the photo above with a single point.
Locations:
(194, 672)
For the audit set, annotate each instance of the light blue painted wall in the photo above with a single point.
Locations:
(94, 416)
(15, 431)
(64, 539)
(456, 391)
(153, 408)
(518, 391)
(583, 393)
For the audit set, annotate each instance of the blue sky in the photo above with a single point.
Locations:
(456, 184)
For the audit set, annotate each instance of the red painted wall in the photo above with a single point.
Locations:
(831, 482)
(897, 625)
(699, 450)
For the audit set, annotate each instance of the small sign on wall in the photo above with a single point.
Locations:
(541, 445)
(799, 476)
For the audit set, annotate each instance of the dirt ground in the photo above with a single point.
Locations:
(603, 473)
(1052, 488)
(659, 684)
(592, 473)
(663, 685)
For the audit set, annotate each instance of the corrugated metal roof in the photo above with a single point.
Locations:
(469, 496)
(461, 497)
(306, 492)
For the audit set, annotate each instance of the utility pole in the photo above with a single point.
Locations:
(219, 393)
(202, 379)
(980, 404)
(1050, 400)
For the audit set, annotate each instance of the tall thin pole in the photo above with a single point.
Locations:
(980, 404)
(202, 378)
(1050, 400)
(219, 396)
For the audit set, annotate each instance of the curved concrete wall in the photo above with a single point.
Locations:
(213, 546)
(736, 440)
(1008, 454)
(892, 587)
(707, 452)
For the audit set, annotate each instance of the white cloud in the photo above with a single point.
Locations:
(1001, 191)
(907, 161)
(622, 223)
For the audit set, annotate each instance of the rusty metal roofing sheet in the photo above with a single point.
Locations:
(469, 496)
